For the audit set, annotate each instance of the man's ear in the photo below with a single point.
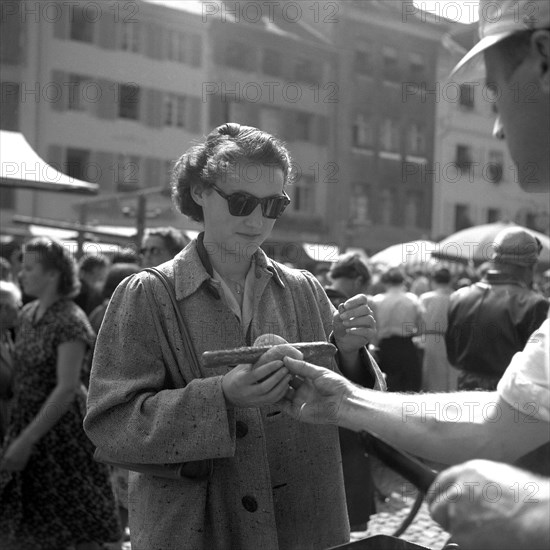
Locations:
(540, 47)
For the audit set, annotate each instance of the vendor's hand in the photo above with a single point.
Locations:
(263, 383)
(17, 455)
(316, 394)
(486, 504)
(353, 325)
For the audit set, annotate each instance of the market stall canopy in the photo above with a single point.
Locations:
(410, 254)
(22, 168)
(476, 244)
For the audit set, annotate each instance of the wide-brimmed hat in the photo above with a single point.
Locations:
(499, 19)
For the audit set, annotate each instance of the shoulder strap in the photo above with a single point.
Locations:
(187, 341)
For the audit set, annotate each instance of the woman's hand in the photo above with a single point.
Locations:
(17, 455)
(263, 383)
(353, 325)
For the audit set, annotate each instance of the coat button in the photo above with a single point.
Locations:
(249, 503)
(241, 429)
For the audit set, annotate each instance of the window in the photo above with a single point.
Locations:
(82, 93)
(195, 50)
(466, 96)
(129, 101)
(389, 135)
(463, 157)
(417, 68)
(363, 132)
(363, 60)
(77, 163)
(302, 126)
(236, 55)
(416, 139)
(174, 110)
(181, 104)
(305, 70)
(127, 172)
(495, 167)
(303, 200)
(493, 215)
(271, 121)
(129, 37)
(385, 203)
(390, 63)
(412, 210)
(359, 204)
(9, 106)
(7, 198)
(272, 63)
(74, 102)
(82, 26)
(462, 217)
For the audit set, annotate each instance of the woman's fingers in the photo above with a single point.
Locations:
(278, 352)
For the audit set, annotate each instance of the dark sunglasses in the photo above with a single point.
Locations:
(243, 204)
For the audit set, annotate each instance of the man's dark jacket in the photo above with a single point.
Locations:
(490, 321)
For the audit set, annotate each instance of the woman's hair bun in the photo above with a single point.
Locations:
(229, 129)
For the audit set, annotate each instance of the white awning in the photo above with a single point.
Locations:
(22, 168)
(322, 252)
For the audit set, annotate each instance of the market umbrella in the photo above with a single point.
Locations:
(410, 254)
(476, 244)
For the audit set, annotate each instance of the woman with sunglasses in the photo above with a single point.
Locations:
(268, 482)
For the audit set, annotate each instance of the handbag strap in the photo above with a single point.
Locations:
(184, 331)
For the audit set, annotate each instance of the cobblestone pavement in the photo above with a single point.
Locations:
(394, 500)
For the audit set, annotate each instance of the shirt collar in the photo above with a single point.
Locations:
(192, 268)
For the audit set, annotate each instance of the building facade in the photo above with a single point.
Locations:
(113, 92)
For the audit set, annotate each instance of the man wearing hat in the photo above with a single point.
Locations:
(490, 321)
(502, 425)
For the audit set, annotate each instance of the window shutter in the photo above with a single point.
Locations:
(106, 171)
(61, 25)
(11, 45)
(288, 128)
(107, 106)
(320, 130)
(59, 98)
(193, 108)
(155, 39)
(151, 108)
(107, 32)
(217, 110)
(55, 157)
(194, 49)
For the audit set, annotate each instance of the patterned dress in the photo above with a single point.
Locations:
(63, 496)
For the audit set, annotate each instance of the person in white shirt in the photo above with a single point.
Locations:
(501, 425)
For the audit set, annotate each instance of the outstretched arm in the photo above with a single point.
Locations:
(444, 427)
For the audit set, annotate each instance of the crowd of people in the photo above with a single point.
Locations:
(53, 493)
(98, 353)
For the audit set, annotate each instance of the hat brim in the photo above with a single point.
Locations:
(472, 65)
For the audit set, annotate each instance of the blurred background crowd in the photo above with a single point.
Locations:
(426, 338)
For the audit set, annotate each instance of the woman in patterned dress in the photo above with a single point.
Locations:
(52, 493)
